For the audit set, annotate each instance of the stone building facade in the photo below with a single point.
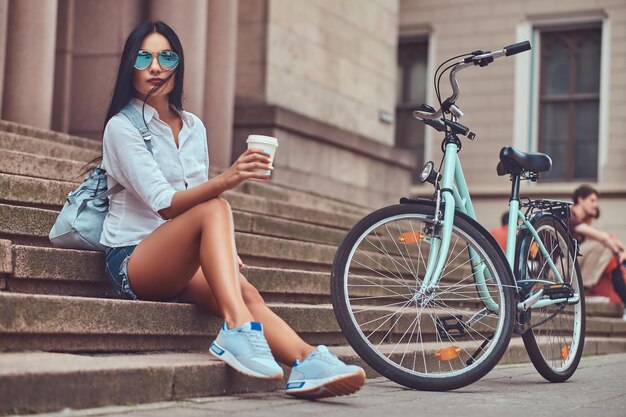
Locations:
(335, 80)
(315, 74)
(572, 108)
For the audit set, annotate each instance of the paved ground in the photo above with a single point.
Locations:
(597, 389)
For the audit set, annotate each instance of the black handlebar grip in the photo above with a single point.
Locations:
(516, 48)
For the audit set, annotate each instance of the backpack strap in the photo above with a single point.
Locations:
(137, 120)
(115, 189)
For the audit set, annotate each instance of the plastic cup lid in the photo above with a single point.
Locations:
(268, 140)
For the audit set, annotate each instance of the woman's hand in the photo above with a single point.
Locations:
(240, 263)
(245, 167)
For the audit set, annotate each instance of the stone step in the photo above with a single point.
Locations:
(29, 225)
(33, 270)
(37, 382)
(34, 165)
(49, 135)
(303, 198)
(37, 166)
(18, 190)
(76, 324)
(288, 243)
(605, 309)
(36, 192)
(40, 381)
(26, 144)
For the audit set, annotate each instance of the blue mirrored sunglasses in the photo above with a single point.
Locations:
(168, 60)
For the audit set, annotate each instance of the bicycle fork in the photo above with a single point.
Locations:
(443, 231)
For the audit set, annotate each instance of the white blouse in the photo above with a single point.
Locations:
(149, 180)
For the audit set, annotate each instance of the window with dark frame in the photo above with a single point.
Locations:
(569, 102)
(411, 93)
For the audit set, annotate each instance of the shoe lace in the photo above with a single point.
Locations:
(259, 344)
(328, 357)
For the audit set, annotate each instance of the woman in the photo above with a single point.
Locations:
(171, 236)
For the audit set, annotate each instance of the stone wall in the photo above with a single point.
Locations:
(325, 160)
(333, 61)
(317, 74)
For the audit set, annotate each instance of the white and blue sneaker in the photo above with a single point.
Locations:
(245, 349)
(322, 375)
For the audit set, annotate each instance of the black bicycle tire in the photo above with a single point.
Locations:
(362, 348)
(534, 352)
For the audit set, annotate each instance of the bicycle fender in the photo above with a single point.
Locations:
(524, 237)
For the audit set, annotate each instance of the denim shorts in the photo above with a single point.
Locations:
(117, 270)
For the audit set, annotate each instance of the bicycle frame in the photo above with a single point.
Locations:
(455, 195)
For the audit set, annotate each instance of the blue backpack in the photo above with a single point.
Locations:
(79, 224)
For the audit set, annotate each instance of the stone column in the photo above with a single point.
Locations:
(219, 93)
(189, 21)
(100, 29)
(4, 11)
(63, 67)
(29, 73)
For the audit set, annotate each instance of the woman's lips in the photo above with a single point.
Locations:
(155, 80)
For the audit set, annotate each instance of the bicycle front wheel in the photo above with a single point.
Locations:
(556, 334)
(434, 340)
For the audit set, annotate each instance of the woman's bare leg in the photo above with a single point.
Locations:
(166, 260)
(285, 344)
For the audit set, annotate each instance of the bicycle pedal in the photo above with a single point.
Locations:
(451, 326)
(555, 291)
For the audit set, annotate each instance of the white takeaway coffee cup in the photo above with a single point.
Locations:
(265, 143)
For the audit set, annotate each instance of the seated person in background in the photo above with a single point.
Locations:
(603, 254)
(499, 233)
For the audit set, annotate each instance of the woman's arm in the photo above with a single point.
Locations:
(245, 167)
(610, 242)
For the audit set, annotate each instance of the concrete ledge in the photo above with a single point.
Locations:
(263, 115)
(302, 198)
(325, 159)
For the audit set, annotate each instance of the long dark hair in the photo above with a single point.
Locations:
(124, 89)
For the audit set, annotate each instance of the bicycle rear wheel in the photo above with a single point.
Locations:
(434, 341)
(556, 336)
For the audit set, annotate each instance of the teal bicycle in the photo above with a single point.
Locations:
(424, 294)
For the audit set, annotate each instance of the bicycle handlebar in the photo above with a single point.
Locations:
(516, 48)
(480, 58)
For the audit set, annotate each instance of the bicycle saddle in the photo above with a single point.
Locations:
(515, 162)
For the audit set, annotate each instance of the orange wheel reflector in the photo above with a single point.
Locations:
(534, 250)
(448, 353)
(409, 238)
(565, 352)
